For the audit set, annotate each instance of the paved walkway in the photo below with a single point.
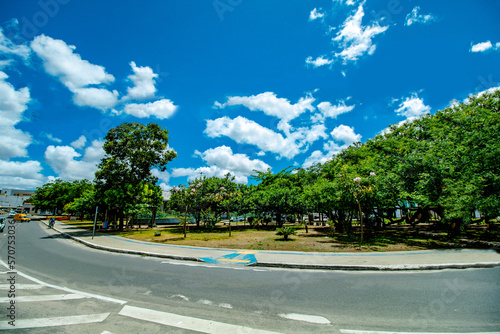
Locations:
(411, 260)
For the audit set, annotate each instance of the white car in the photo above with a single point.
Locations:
(237, 219)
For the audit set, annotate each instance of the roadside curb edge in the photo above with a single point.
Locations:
(399, 267)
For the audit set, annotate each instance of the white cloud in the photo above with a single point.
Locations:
(13, 103)
(316, 157)
(62, 160)
(144, 83)
(356, 39)
(221, 161)
(80, 142)
(319, 61)
(346, 134)
(224, 158)
(341, 134)
(271, 105)
(98, 98)
(9, 48)
(315, 14)
(245, 131)
(94, 153)
(60, 60)
(163, 177)
(331, 111)
(415, 17)
(161, 109)
(484, 46)
(50, 137)
(413, 107)
(27, 170)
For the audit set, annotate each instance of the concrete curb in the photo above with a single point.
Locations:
(126, 251)
(403, 267)
(399, 267)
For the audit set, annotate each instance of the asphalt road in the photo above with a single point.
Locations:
(435, 301)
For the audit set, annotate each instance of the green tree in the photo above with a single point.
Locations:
(132, 151)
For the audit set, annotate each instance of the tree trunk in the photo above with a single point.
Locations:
(360, 221)
(120, 228)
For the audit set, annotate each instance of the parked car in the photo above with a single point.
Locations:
(237, 219)
(2, 224)
(21, 217)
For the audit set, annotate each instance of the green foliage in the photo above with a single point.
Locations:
(124, 178)
(285, 231)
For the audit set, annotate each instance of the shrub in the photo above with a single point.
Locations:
(285, 231)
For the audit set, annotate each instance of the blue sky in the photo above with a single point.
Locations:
(241, 85)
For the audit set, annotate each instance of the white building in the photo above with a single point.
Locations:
(14, 199)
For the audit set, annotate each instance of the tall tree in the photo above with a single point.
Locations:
(132, 151)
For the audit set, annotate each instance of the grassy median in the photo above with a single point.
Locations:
(318, 238)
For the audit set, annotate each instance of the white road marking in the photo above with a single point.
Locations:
(196, 264)
(352, 331)
(21, 286)
(90, 295)
(307, 318)
(42, 298)
(183, 322)
(55, 321)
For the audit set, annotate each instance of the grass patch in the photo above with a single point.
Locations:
(319, 238)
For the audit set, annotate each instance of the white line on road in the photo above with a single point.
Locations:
(21, 286)
(42, 298)
(307, 318)
(352, 331)
(91, 295)
(55, 321)
(183, 322)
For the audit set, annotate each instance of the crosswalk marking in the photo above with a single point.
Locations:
(90, 295)
(42, 298)
(55, 321)
(183, 322)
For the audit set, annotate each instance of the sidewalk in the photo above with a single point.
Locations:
(411, 260)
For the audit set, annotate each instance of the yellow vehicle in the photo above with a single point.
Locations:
(21, 217)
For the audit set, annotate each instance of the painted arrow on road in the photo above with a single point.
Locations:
(244, 258)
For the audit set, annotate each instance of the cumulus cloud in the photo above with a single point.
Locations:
(13, 103)
(331, 111)
(271, 105)
(245, 131)
(98, 98)
(144, 83)
(7, 47)
(221, 160)
(345, 134)
(60, 60)
(79, 143)
(315, 14)
(484, 46)
(352, 41)
(319, 61)
(414, 17)
(343, 137)
(24, 175)
(62, 159)
(161, 109)
(355, 39)
(412, 107)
